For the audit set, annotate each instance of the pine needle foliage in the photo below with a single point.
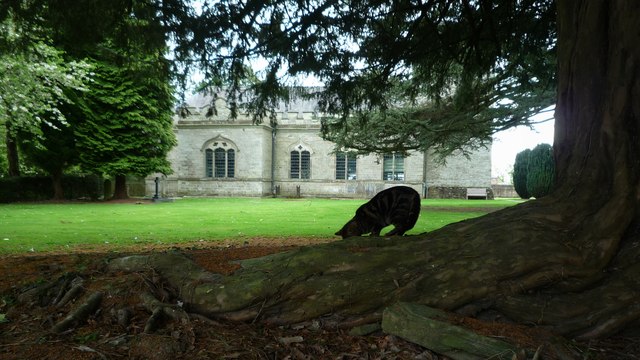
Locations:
(398, 75)
(128, 128)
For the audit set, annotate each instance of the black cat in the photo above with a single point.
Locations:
(398, 205)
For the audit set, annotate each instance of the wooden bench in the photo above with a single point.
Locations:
(476, 193)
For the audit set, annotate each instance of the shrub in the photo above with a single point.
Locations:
(541, 174)
(520, 169)
(84, 186)
(27, 188)
(38, 188)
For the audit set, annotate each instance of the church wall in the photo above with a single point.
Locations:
(323, 182)
(252, 145)
(451, 179)
(460, 171)
(298, 128)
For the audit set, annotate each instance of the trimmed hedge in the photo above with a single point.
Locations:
(534, 172)
(520, 169)
(39, 188)
(542, 172)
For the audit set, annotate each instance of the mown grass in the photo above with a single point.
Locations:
(56, 227)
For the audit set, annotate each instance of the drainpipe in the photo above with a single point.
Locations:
(425, 188)
(273, 159)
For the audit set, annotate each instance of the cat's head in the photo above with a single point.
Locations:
(351, 228)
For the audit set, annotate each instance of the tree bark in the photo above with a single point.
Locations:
(12, 152)
(58, 190)
(520, 268)
(566, 261)
(120, 190)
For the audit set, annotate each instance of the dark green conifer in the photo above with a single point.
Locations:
(520, 168)
(541, 172)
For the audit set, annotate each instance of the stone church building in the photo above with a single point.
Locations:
(220, 156)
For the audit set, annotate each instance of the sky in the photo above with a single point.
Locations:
(507, 144)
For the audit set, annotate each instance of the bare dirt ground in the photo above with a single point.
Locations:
(26, 321)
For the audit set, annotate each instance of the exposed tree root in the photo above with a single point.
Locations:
(160, 312)
(531, 271)
(76, 288)
(144, 312)
(80, 314)
(57, 292)
(597, 312)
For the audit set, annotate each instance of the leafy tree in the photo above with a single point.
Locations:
(540, 175)
(126, 40)
(4, 166)
(128, 128)
(54, 153)
(33, 78)
(54, 150)
(520, 170)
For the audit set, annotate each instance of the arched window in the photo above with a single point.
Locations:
(208, 162)
(300, 164)
(220, 160)
(393, 167)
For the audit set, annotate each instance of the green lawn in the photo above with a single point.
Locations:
(55, 227)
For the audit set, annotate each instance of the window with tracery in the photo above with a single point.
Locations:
(220, 161)
(300, 163)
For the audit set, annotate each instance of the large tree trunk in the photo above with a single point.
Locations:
(12, 152)
(567, 261)
(120, 190)
(56, 179)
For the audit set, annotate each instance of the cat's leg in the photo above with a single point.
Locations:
(400, 227)
(397, 230)
(375, 231)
